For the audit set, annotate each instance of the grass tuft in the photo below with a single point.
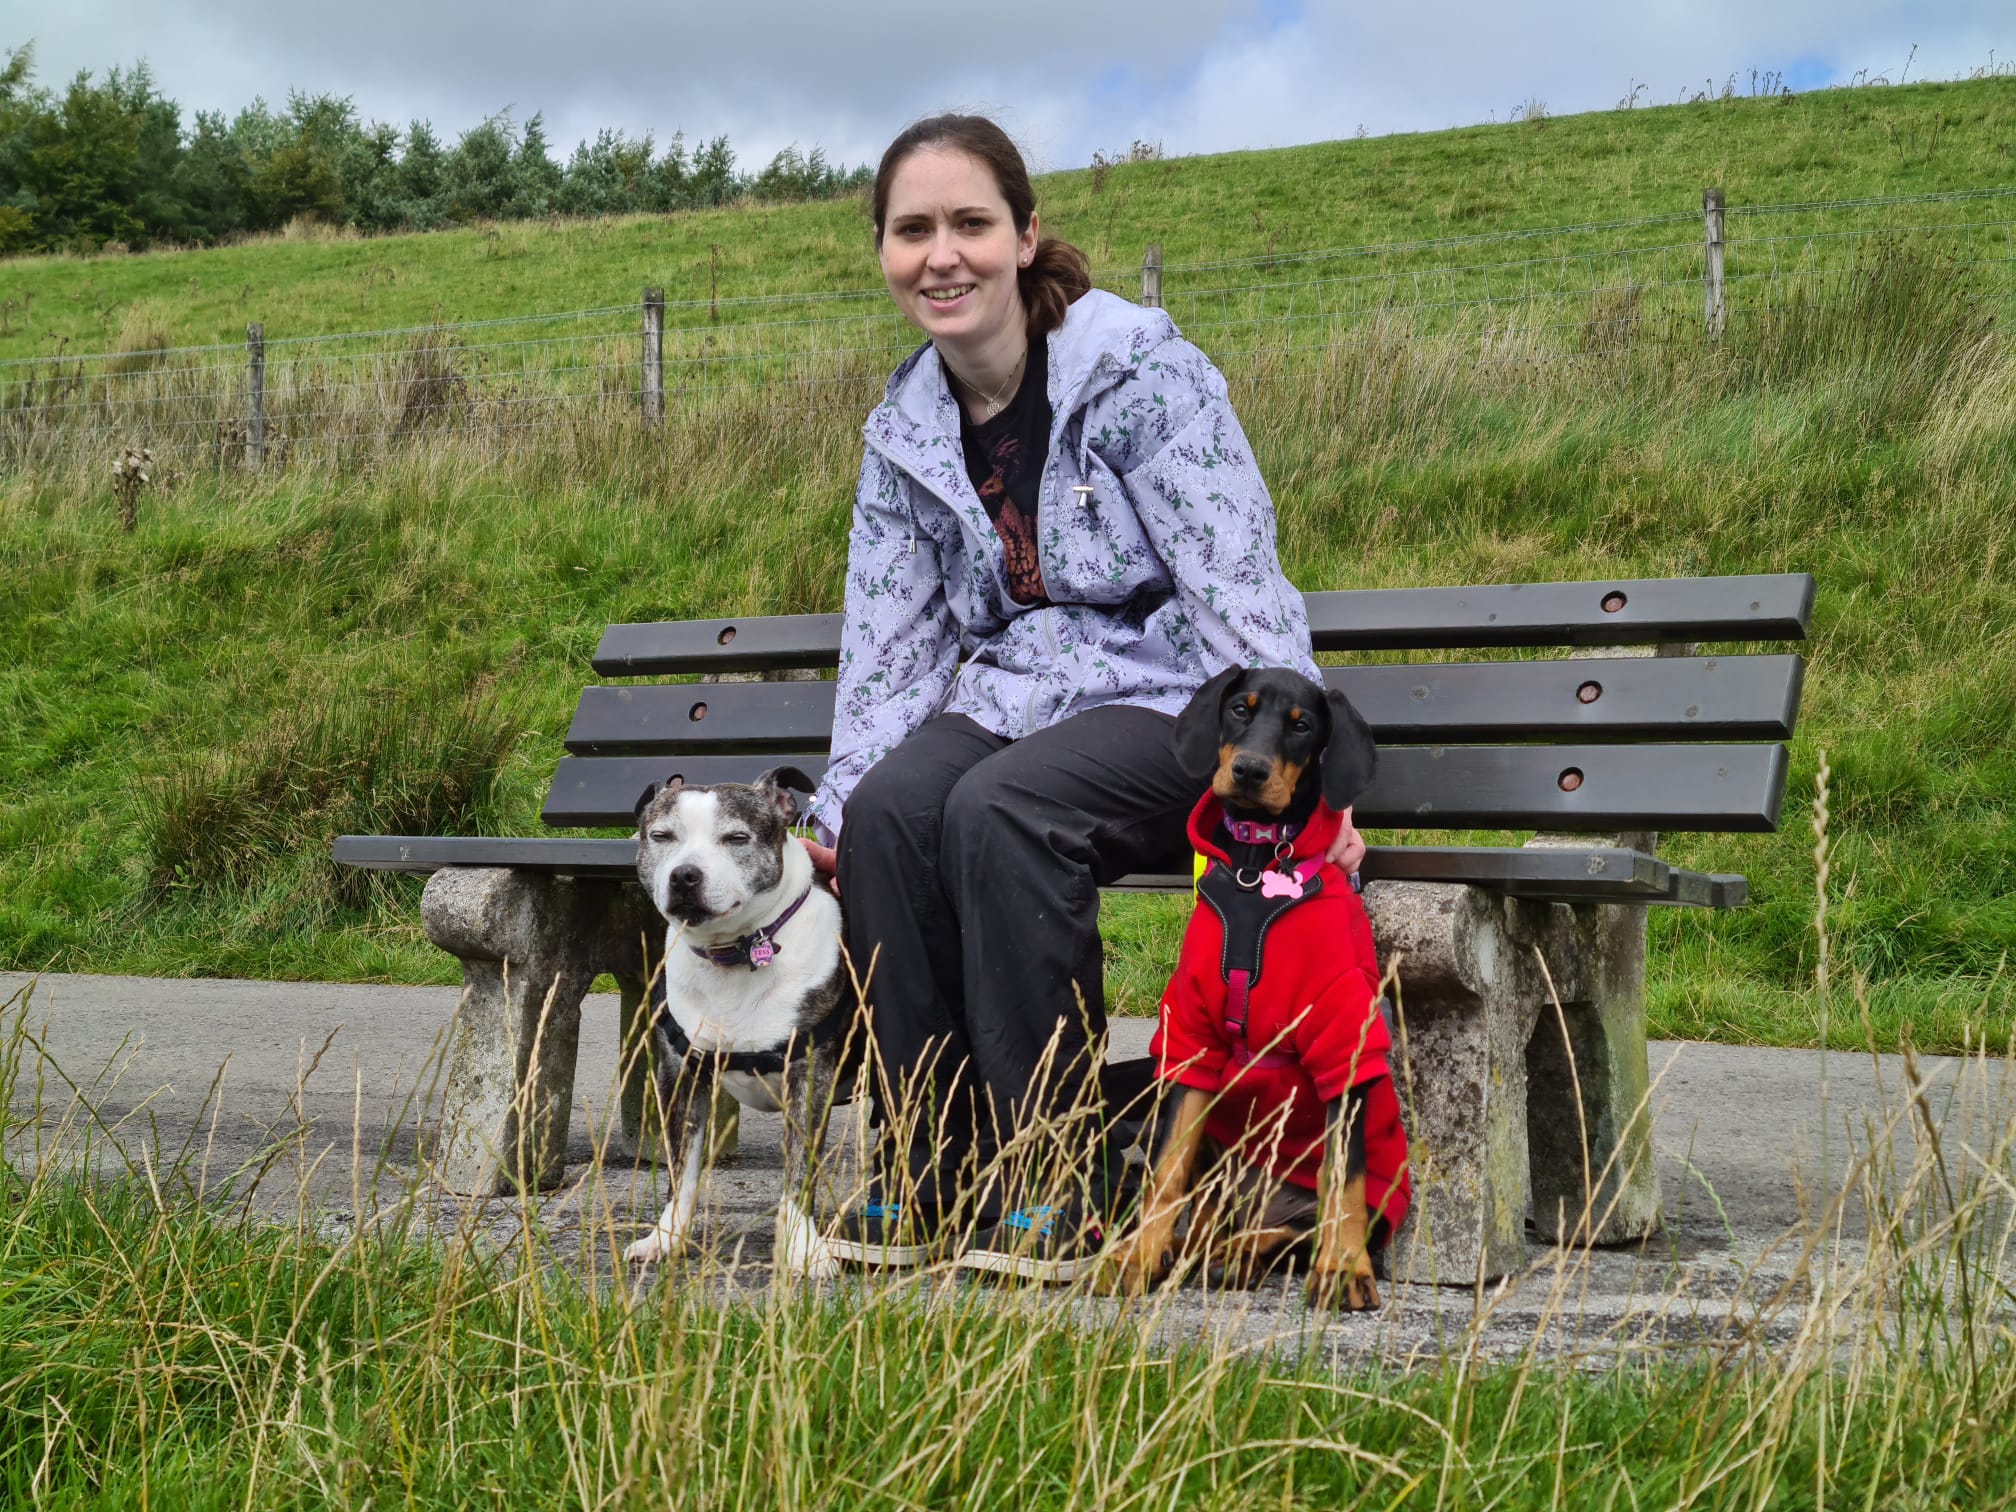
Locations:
(340, 758)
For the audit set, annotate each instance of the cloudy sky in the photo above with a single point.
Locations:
(1066, 76)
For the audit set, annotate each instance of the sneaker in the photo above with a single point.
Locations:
(1050, 1244)
(888, 1235)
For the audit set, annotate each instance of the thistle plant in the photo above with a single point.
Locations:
(129, 476)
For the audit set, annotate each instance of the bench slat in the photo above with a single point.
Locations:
(1656, 787)
(1678, 698)
(1586, 874)
(754, 643)
(1775, 607)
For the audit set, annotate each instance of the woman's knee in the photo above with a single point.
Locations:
(977, 810)
(909, 786)
(997, 814)
(885, 796)
(888, 831)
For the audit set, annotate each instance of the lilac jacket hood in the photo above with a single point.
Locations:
(1155, 534)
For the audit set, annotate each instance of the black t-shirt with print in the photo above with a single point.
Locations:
(1004, 458)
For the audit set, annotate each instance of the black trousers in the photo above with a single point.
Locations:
(970, 869)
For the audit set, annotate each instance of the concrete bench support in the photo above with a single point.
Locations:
(530, 946)
(1496, 1130)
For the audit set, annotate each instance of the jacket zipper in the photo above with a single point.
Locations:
(1050, 643)
(958, 509)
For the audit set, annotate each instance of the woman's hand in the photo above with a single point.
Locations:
(1346, 851)
(826, 862)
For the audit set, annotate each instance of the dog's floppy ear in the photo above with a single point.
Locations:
(779, 780)
(1349, 756)
(1197, 726)
(671, 784)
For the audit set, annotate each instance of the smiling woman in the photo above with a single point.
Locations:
(1056, 490)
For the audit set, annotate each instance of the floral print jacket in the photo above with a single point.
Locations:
(1155, 531)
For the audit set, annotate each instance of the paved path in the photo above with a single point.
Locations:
(1747, 1141)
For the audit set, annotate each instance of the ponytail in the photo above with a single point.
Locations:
(1056, 277)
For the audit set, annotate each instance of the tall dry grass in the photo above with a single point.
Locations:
(1883, 331)
(158, 1348)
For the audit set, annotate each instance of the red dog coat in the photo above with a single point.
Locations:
(1294, 1035)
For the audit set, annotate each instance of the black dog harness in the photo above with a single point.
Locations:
(756, 1062)
(1248, 904)
(756, 950)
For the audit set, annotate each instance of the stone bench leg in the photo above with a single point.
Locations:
(530, 946)
(1464, 1020)
(1595, 1179)
(1495, 1129)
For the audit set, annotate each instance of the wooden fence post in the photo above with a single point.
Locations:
(654, 356)
(1151, 277)
(255, 395)
(1711, 224)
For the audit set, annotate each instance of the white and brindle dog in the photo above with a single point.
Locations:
(753, 985)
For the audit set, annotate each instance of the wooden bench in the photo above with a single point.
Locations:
(1632, 733)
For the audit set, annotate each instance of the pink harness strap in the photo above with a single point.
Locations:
(1236, 999)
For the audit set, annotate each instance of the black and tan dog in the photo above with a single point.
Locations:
(1271, 1048)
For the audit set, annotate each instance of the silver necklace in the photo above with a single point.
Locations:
(998, 400)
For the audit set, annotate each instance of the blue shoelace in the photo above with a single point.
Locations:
(1025, 1218)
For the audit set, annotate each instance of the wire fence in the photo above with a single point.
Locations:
(1505, 299)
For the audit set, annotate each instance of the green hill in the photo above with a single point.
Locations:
(1828, 146)
(393, 639)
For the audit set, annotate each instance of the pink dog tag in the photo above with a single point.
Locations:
(762, 951)
(1274, 884)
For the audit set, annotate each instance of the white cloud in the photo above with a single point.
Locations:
(1063, 75)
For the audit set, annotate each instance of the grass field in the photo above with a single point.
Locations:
(194, 709)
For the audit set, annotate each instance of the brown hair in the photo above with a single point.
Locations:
(1059, 273)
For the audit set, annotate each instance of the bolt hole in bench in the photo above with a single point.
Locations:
(1634, 728)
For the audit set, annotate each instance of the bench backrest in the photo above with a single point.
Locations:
(1585, 743)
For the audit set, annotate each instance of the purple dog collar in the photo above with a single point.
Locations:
(756, 949)
(1247, 832)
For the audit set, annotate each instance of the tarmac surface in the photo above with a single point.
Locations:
(1769, 1161)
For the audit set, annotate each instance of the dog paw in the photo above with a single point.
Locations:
(1342, 1290)
(652, 1248)
(1130, 1273)
(802, 1251)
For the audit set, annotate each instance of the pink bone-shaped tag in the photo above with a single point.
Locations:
(1275, 884)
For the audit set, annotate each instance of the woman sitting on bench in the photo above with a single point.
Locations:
(1055, 486)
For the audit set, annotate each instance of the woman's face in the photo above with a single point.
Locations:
(950, 250)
